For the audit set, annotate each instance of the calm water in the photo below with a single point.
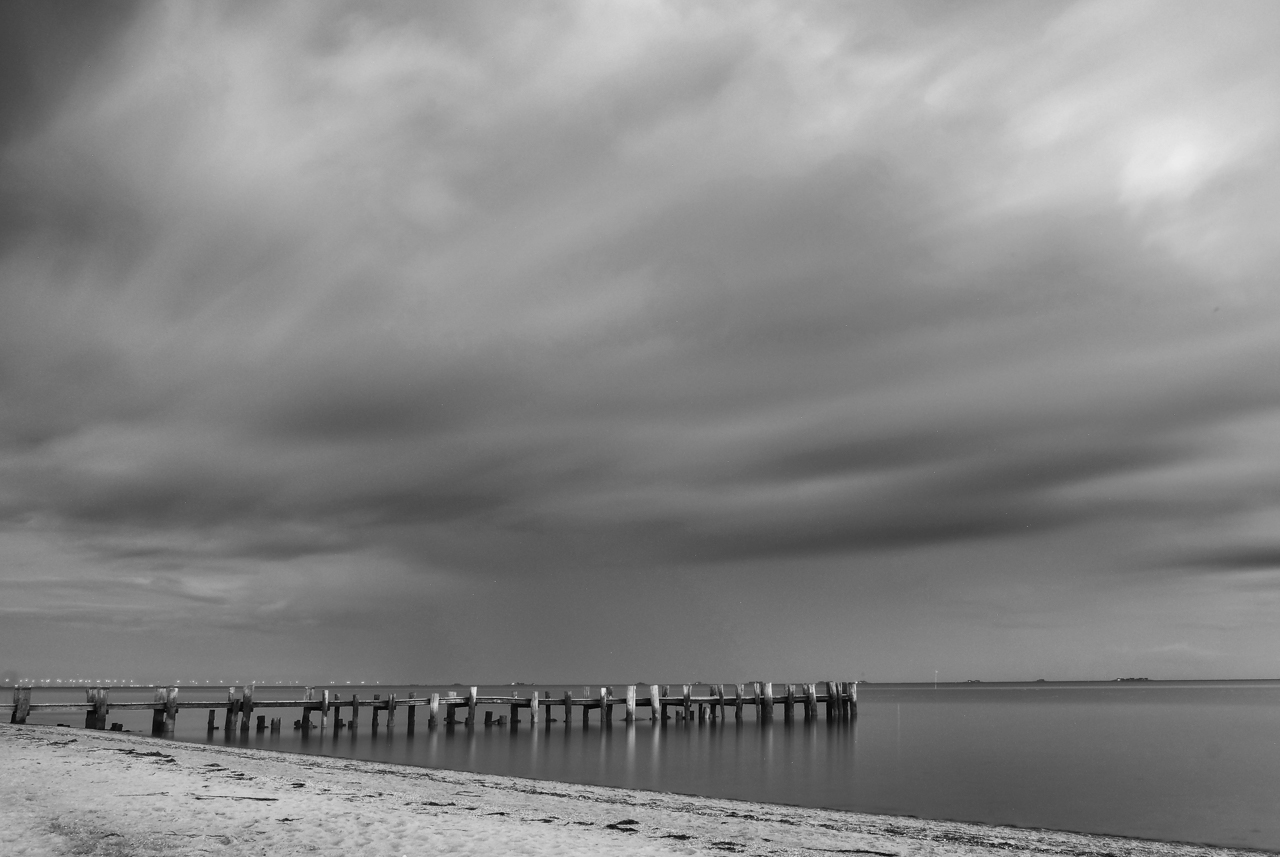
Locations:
(1197, 762)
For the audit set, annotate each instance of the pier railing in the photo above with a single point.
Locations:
(713, 703)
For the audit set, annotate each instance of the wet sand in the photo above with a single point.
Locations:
(71, 791)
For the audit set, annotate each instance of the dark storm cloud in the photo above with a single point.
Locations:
(472, 292)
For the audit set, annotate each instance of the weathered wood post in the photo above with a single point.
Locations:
(392, 702)
(755, 696)
(262, 724)
(96, 716)
(433, 711)
(568, 707)
(655, 704)
(157, 712)
(720, 701)
(606, 706)
(768, 700)
(535, 708)
(324, 709)
(629, 715)
(685, 693)
(451, 708)
(513, 713)
(789, 714)
(666, 695)
(471, 706)
(165, 717)
(488, 718)
(831, 701)
(246, 709)
(21, 704)
(411, 714)
(739, 691)
(213, 721)
(853, 699)
(586, 707)
(229, 723)
(810, 702)
(355, 712)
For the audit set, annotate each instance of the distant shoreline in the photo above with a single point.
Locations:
(73, 791)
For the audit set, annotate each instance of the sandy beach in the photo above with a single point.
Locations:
(71, 791)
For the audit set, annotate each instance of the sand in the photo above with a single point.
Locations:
(71, 791)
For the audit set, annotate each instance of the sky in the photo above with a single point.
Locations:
(639, 341)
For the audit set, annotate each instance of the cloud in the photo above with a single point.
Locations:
(480, 291)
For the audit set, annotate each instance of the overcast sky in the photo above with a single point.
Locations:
(627, 341)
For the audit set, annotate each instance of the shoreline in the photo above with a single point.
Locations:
(74, 791)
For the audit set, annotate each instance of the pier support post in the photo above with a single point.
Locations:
(433, 711)
(392, 702)
(738, 692)
(471, 706)
(213, 721)
(157, 712)
(789, 713)
(755, 693)
(21, 704)
(606, 706)
(831, 701)
(853, 699)
(568, 707)
(229, 723)
(411, 714)
(685, 693)
(720, 701)
(655, 704)
(535, 708)
(262, 724)
(246, 709)
(810, 702)
(355, 712)
(96, 716)
(630, 714)
(324, 709)
(768, 700)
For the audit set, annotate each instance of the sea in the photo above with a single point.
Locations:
(1174, 761)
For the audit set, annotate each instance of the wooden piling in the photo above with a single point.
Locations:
(568, 707)
(720, 701)
(229, 723)
(433, 711)
(355, 712)
(246, 709)
(831, 701)
(738, 692)
(606, 706)
(275, 724)
(471, 706)
(451, 709)
(213, 721)
(488, 718)
(412, 714)
(535, 708)
(789, 713)
(324, 709)
(157, 713)
(685, 707)
(768, 700)
(21, 705)
(810, 702)
(392, 702)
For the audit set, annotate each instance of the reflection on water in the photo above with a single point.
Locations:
(1193, 762)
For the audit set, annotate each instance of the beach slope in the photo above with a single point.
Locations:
(71, 791)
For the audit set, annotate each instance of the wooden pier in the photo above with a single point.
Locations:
(660, 704)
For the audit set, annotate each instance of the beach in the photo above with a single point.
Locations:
(73, 791)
